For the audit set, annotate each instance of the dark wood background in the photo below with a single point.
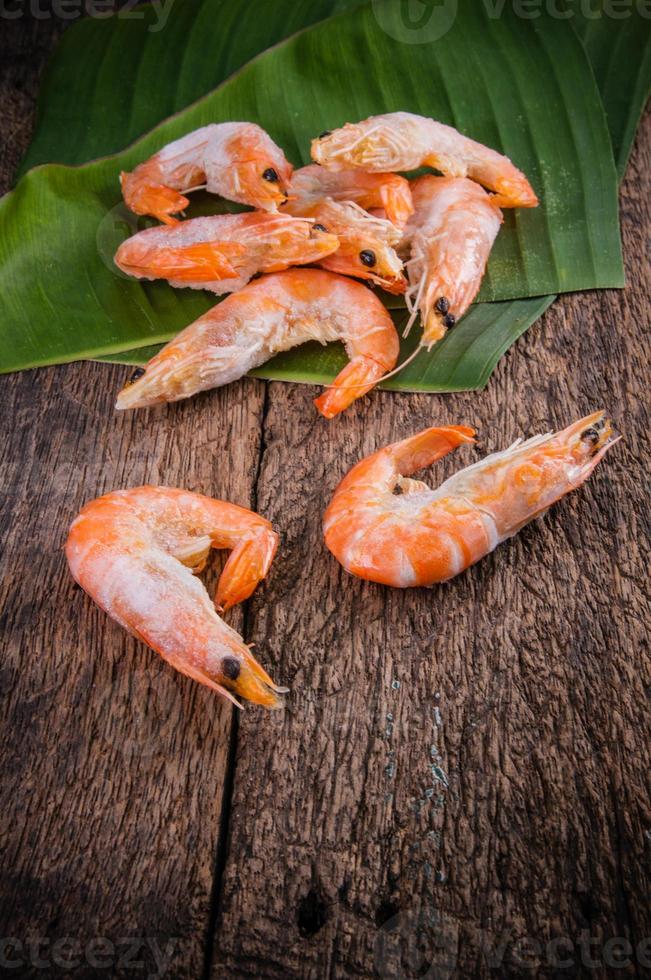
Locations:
(460, 775)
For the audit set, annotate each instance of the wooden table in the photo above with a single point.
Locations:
(459, 776)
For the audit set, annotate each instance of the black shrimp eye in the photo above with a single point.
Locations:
(450, 320)
(319, 227)
(442, 304)
(270, 175)
(590, 435)
(326, 132)
(367, 257)
(138, 373)
(231, 668)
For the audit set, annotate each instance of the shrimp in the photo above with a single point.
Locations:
(272, 314)
(383, 526)
(237, 160)
(404, 141)
(221, 253)
(136, 552)
(390, 192)
(366, 244)
(451, 234)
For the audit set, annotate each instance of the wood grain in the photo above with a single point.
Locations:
(456, 770)
(466, 767)
(113, 765)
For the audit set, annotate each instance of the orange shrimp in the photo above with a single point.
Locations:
(383, 526)
(221, 253)
(366, 245)
(136, 553)
(389, 192)
(237, 160)
(404, 141)
(451, 234)
(272, 314)
(366, 242)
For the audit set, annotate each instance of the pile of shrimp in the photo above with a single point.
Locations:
(137, 552)
(349, 212)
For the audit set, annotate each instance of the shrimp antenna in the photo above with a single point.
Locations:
(410, 322)
(404, 364)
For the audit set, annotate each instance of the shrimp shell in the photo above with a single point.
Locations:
(387, 192)
(237, 160)
(135, 551)
(221, 253)
(273, 314)
(450, 234)
(383, 526)
(404, 141)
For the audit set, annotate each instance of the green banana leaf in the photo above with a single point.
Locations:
(86, 107)
(620, 54)
(618, 43)
(569, 243)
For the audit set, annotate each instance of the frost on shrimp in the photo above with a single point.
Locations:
(135, 551)
(272, 314)
(237, 160)
(450, 236)
(221, 253)
(404, 141)
(367, 244)
(387, 192)
(383, 526)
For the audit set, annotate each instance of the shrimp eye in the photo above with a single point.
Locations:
(450, 320)
(443, 304)
(138, 373)
(231, 668)
(270, 175)
(367, 257)
(326, 132)
(319, 227)
(591, 436)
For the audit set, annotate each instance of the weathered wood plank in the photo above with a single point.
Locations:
(113, 766)
(462, 768)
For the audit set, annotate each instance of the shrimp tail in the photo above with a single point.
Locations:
(423, 449)
(397, 202)
(247, 565)
(156, 199)
(358, 377)
(203, 262)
